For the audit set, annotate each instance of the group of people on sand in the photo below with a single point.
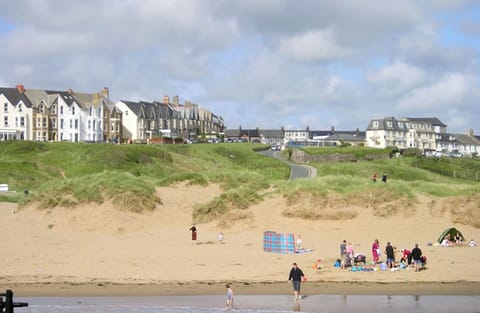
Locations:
(410, 258)
(449, 242)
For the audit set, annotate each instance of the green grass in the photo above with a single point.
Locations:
(67, 174)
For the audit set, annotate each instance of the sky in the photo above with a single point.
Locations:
(266, 64)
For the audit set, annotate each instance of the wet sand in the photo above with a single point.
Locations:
(241, 288)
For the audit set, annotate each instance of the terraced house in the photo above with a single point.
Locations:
(51, 115)
(145, 120)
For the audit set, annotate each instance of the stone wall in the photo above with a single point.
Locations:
(299, 156)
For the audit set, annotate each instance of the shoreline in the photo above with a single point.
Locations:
(98, 288)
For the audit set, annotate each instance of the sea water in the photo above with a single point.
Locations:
(253, 304)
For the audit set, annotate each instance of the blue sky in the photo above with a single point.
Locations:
(267, 64)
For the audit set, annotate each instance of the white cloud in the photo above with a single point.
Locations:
(257, 63)
(397, 78)
(450, 91)
(319, 45)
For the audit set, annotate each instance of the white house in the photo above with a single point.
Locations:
(293, 135)
(15, 115)
(402, 133)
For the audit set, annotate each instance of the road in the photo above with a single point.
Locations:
(297, 171)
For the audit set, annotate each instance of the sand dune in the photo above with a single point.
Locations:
(97, 243)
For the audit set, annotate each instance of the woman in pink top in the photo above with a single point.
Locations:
(375, 251)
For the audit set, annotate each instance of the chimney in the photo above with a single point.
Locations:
(70, 91)
(105, 92)
(470, 132)
(176, 100)
(166, 100)
(21, 88)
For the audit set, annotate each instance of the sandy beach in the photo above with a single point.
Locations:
(98, 250)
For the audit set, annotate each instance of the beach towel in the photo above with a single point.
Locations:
(278, 242)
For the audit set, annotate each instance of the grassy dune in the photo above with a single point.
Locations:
(66, 174)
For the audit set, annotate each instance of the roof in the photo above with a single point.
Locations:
(458, 139)
(431, 120)
(15, 96)
(467, 140)
(65, 95)
(136, 107)
(388, 123)
(271, 133)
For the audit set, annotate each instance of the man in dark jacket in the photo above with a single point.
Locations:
(296, 276)
(390, 253)
(417, 257)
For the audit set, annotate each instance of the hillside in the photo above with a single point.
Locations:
(67, 175)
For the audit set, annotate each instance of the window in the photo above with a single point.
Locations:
(99, 125)
(41, 108)
(54, 109)
(61, 136)
(375, 124)
(76, 124)
(20, 108)
(5, 121)
(44, 122)
(61, 123)
(112, 128)
(71, 124)
(5, 107)
(54, 123)
(39, 123)
(61, 109)
(90, 111)
(22, 121)
(16, 121)
(389, 124)
(89, 124)
(94, 125)
(99, 112)
(73, 110)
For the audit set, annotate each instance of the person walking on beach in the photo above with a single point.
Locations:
(193, 229)
(296, 276)
(376, 251)
(417, 257)
(229, 297)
